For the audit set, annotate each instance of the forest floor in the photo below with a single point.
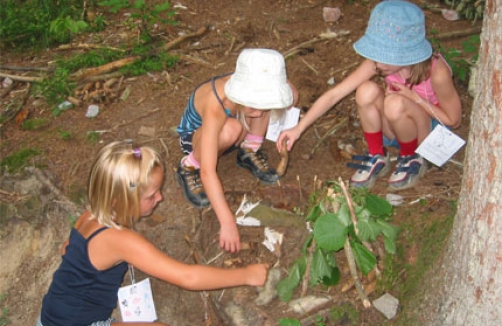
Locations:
(37, 205)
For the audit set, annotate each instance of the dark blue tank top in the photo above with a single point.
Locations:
(80, 294)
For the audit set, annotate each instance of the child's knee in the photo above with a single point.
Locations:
(367, 93)
(232, 130)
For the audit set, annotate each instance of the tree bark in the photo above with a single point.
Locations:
(470, 281)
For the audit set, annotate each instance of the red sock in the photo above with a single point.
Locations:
(375, 142)
(406, 149)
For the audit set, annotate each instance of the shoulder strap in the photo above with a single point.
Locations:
(95, 233)
(214, 88)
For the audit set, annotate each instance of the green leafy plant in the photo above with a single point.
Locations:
(63, 28)
(18, 160)
(336, 226)
(149, 14)
(27, 23)
(460, 60)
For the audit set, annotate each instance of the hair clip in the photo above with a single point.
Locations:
(132, 186)
(136, 152)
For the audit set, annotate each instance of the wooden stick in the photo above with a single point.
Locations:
(455, 34)
(85, 73)
(87, 46)
(296, 49)
(174, 43)
(306, 276)
(9, 67)
(22, 78)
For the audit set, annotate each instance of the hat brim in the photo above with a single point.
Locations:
(403, 56)
(259, 96)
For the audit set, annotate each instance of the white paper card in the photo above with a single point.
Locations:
(136, 302)
(288, 121)
(440, 145)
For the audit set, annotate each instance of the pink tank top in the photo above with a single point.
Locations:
(424, 89)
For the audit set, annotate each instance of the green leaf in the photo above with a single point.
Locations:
(378, 206)
(320, 266)
(368, 230)
(329, 232)
(364, 258)
(390, 245)
(333, 278)
(388, 230)
(314, 213)
(344, 215)
(287, 285)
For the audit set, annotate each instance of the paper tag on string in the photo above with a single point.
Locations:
(440, 145)
(136, 302)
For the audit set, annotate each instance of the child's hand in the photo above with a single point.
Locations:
(257, 274)
(291, 135)
(229, 238)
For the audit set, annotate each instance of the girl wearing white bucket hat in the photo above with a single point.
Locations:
(419, 93)
(226, 112)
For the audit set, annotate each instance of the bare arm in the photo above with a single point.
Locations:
(214, 120)
(449, 110)
(327, 100)
(136, 250)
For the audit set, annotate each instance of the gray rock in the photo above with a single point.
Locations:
(387, 305)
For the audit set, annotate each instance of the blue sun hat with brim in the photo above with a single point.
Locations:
(395, 35)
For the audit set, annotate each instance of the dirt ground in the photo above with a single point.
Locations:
(35, 208)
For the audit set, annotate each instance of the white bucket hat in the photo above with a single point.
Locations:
(260, 80)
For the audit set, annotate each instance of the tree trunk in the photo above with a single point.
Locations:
(470, 277)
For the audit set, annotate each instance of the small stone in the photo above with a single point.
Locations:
(387, 305)
(92, 111)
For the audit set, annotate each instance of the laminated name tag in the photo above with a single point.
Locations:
(136, 302)
(440, 145)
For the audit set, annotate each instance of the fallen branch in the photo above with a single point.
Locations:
(195, 60)
(87, 46)
(22, 78)
(174, 43)
(304, 45)
(306, 276)
(9, 67)
(350, 255)
(85, 73)
(455, 34)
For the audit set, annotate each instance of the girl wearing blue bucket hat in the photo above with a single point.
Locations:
(418, 94)
(227, 112)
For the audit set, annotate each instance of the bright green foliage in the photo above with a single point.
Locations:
(39, 22)
(18, 160)
(333, 226)
(62, 28)
(149, 14)
(460, 60)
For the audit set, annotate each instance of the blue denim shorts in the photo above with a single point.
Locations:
(393, 142)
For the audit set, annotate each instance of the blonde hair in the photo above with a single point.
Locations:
(420, 72)
(119, 175)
